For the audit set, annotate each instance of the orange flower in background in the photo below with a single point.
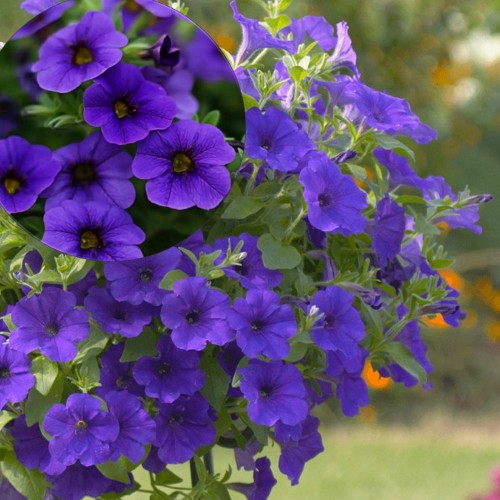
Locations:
(493, 330)
(373, 378)
(443, 227)
(436, 322)
(225, 41)
(452, 279)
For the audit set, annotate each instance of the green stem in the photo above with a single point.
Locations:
(194, 473)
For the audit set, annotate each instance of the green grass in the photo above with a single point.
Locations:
(439, 461)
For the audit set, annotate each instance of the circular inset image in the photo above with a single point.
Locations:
(118, 128)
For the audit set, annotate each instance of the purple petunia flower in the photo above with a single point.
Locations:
(341, 327)
(179, 86)
(46, 12)
(275, 138)
(465, 217)
(153, 462)
(8, 492)
(343, 55)
(315, 27)
(263, 481)
(262, 325)
(295, 452)
(15, 377)
(38, 6)
(115, 375)
(137, 281)
(93, 230)
(78, 53)
(172, 373)
(92, 170)
(185, 165)
(25, 171)
(126, 106)
(400, 171)
(32, 449)
(196, 315)
(351, 391)
(388, 229)
(275, 392)
(386, 113)
(182, 427)
(334, 201)
(80, 430)
(117, 317)
(251, 272)
(410, 336)
(78, 481)
(49, 322)
(137, 428)
(255, 37)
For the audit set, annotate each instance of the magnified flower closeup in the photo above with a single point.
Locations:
(78, 53)
(185, 165)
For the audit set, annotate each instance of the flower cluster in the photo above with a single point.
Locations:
(319, 260)
(132, 117)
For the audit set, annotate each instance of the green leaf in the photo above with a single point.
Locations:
(406, 199)
(249, 102)
(216, 384)
(389, 142)
(166, 477)
(277, 255)
(143, 345)
(45, 372)
(404, 358)
(167, 283)
(212, 118)
(297, 352)
(93, 345)
(242, 207)
(304, 284)
(37, 405)
(219, 492)
(115, 470)
(29, 483)
(298, 73)
(276, 24)
(425, 227)
(90, 373)
(5, 418)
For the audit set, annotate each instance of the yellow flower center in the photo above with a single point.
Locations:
(82, 55)
(182, 163)
(81, 425)
(89, 240)
(122, 109)
(11, 185)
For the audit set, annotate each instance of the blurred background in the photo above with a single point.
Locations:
(442, 56)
